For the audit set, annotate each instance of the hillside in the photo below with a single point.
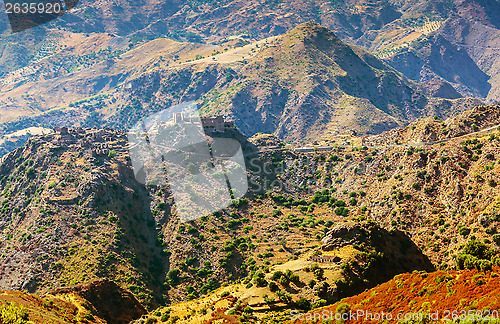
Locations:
(443, 295)
(433, 130)
(442, 196)
(73, 213)
(96, 302)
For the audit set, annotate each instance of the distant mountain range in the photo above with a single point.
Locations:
(457, 41)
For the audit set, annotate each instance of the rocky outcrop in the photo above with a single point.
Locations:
(343, 234)
(109, 302)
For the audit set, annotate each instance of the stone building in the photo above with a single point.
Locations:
(216, 123)
(60, 130)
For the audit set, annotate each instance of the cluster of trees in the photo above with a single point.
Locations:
(320, 197)
(477, 255)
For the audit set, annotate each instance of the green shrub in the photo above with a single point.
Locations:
(485, 265)
(13, 314)
(165, 317)
(277, 275)
(284, 296)
(477, 255)
(303, 303)
(318, 273)
(479, 250)
(284, 281)
(294, 278)
(464, 231)
(343, 308)
(260, 282)
(319, 303)
(173, 276)
(342, 211)
(151, 320)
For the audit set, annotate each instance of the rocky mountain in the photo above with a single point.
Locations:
(409, 184)
(298, 85)
(453, 41)
(309, 82)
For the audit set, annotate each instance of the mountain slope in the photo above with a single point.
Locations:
(307, 82)
(384, 27)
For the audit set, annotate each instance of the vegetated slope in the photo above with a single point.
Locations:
(429, 130)
(450, 185)
(301, 84)
(450, 294)
(354, 255)
(72, 212)
(96, 302)
(443, 196)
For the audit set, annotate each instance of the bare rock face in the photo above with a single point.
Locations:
(110, 302)
(347, 233)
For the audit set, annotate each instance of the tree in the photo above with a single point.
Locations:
(276, 275)
(284, 296)
(173, 276)
(284, 281)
